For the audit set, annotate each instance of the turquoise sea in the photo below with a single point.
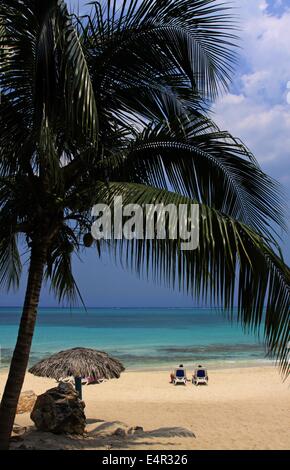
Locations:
(141, 338)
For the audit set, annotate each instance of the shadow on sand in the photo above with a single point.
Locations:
(104, 435)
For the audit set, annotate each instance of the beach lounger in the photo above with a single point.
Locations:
(180, 377)
(200, 377)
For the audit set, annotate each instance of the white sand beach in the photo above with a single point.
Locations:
(247, 408)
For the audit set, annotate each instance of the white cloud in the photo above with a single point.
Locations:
(259, 112)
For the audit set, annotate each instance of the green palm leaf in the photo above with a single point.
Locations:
(193, 37)
(190, 155)
(59, 272)
(10, 263)
(44, 78)
(230, 256)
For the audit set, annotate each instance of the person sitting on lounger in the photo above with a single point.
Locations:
(173, 373)
(200, 376)
(179, 376)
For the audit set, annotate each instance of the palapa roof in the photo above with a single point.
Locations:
(78, 362)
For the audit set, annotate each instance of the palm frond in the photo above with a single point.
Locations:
(81, 108)
(230, 256)
(10, 263)
(59, 268)
(190, 155)
(140, 38)
(44, 77)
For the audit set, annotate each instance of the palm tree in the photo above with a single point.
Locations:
(116, 103)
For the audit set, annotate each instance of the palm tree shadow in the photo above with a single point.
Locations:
(115, 434)
(93, 420)
(106, 435)
(104, 427)
(111, 427)
(171, 432)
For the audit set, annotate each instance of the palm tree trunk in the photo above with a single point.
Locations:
(21, 353)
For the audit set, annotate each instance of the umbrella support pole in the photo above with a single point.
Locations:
(78, 386)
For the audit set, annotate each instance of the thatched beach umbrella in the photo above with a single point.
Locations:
(78, 363)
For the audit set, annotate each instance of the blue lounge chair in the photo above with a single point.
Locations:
(180, 377)
(200, 376)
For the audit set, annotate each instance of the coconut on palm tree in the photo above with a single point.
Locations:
(116, 103)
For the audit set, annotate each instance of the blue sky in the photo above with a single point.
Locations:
(256, 110)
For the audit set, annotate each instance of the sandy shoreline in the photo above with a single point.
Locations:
(245, 408)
